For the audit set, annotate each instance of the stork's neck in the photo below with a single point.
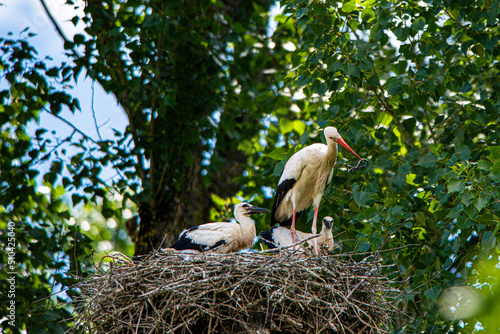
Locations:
(330, 158)
(326, 166)
(245, 222)
(247, 226)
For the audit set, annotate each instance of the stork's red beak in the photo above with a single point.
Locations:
(344, 145)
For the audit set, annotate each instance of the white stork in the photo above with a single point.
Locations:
(224, 237)
(280, 236)
(304, 179)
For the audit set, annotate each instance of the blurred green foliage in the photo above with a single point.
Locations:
(107, 234)
(217, 102)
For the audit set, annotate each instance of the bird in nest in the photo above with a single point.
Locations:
(280, 236)
(221, 237)
(304, 179)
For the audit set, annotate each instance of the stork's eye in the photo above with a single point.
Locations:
(245, 205)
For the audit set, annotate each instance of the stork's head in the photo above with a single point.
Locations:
(328, 222)
(245, 209)
(332, 135)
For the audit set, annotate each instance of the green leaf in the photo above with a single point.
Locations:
(51, 315)
(428, 160)
(496, 168)
(471, 213)
(435, 176)
(467, 198)
(488, 219)
(362, 198)
(405, 168)
(302, 11)
(463, 152)
(317, 29)
(363, 246)
(455, 186)
(277, 153)
(398, 179)
(79, 39)
(303, 80)
(484, 165)
(418, 24)
(374, 81)
(349, 6)
(478, 49)
(433, 293)
(303, 139)
(278, 169)
(395, 86)
(320, 88)
(401, 33)
(481, 201)
(287, 125)
(488, 241)
(495, 153)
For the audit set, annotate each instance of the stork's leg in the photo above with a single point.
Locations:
(314, 230)
(292, 228)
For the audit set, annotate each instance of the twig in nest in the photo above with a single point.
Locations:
(117, 256)
(363, 163)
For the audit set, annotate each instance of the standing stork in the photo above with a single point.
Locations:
(304, 180)
(222, 238)
(280, 236)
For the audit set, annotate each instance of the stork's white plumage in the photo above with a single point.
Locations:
(223, 237)
(280, 236)
(304, 180)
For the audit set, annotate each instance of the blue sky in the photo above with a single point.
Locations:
(15, 16)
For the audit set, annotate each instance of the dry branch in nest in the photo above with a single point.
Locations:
(238, 293)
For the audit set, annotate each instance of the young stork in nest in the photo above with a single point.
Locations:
(280, 236)
(222, 238)
(304, 180)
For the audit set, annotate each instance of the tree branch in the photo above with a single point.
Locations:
(429, 125)
(59, 30)
(391, 113)
(72, 126)
(93, 110)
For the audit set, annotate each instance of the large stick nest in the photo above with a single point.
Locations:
(238, 293)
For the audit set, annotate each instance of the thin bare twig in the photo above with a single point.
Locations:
(93, 110)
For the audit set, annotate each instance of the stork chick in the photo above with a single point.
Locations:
(223, 237)
(304, 179)
(280, 236)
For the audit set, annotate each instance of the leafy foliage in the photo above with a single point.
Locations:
(41, 254)
(414, 87)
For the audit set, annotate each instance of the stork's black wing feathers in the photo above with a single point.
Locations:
(281, 191)
(288, 222)
(267, 239)
(185, 242)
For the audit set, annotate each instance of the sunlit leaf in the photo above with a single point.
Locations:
(349, 6)
(277, 153)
